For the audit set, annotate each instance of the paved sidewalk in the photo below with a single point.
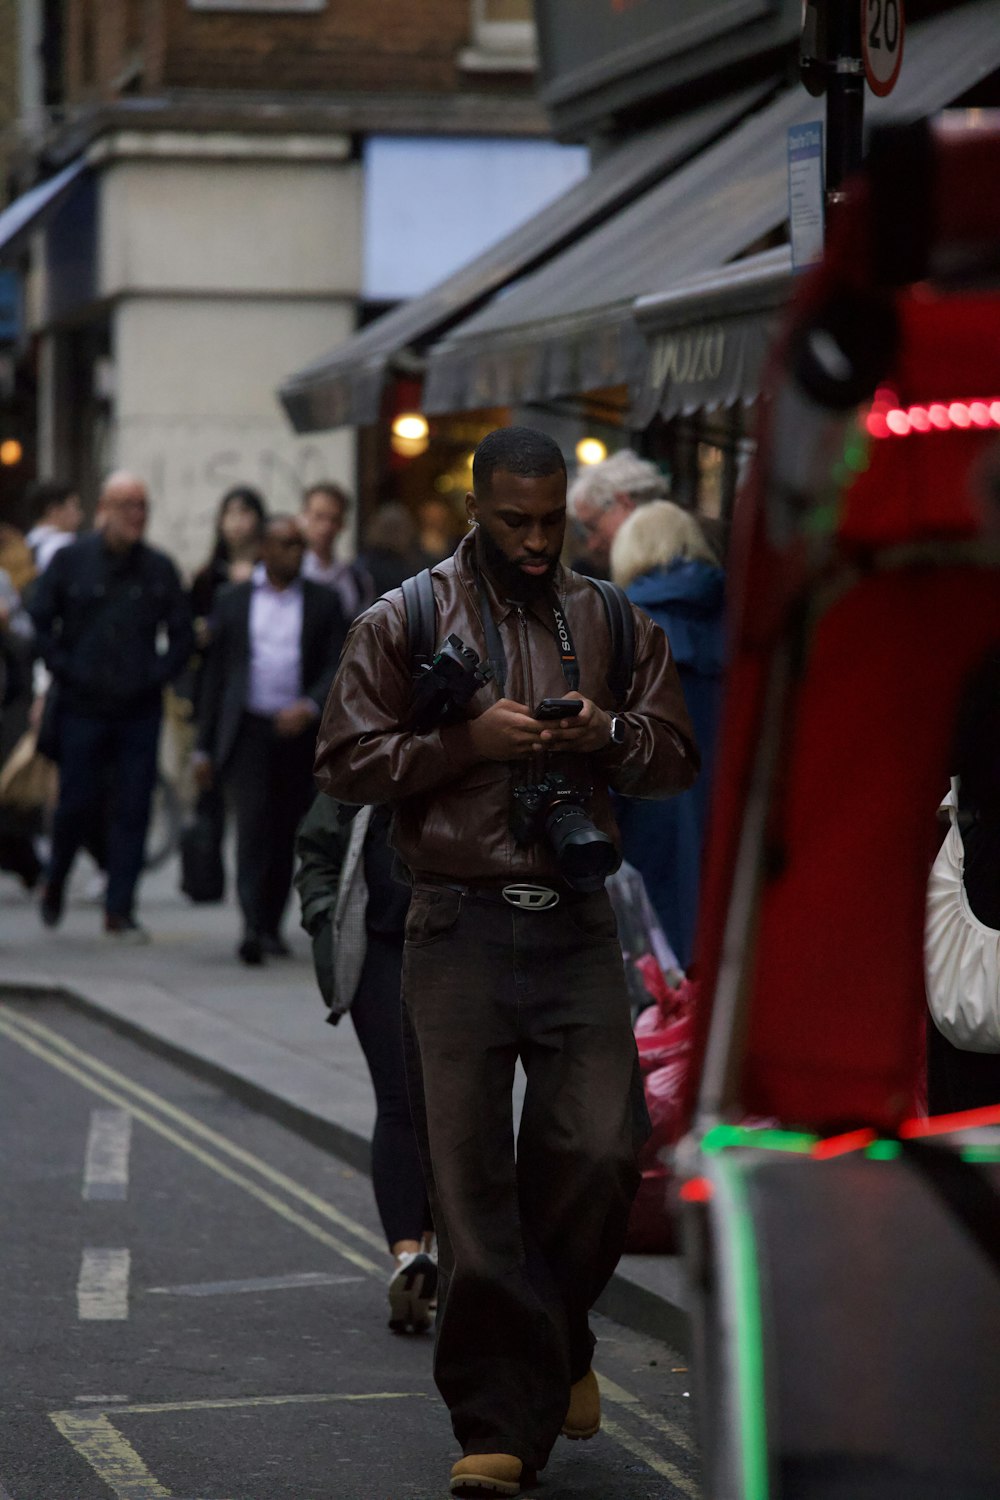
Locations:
(260, 1032)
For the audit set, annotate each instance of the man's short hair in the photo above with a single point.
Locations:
(46, 495)
(327, 487)
(515, 450)
(624, 473)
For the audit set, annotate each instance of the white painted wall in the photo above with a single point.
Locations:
(196, 411)
(222, 273)
(230, 226)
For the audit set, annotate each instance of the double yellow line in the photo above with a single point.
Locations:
(196, 1139)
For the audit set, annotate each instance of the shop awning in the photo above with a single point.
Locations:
(707, 339)
(28, 212)
(346, 386)
(570, 327)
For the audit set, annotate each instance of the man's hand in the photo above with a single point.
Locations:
(588, 732)
(290, 721)
(201, 770)
(506, 731)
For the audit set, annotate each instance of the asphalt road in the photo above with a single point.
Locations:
(192, 1304)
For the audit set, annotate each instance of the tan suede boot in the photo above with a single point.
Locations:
(487, 1474)
(583, 1419)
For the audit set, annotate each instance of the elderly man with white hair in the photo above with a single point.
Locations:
(604, 495)
(114, 628)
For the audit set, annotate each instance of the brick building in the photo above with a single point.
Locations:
(229, 188)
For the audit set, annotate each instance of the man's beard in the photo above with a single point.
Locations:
(511, 581)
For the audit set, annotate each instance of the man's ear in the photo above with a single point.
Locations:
(470, 508)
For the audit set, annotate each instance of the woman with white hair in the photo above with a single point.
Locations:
(661, 558)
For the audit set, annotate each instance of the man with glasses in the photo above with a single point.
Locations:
(275, 643)
(604, 495)
(114, 628)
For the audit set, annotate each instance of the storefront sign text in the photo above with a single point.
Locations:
(688, 358)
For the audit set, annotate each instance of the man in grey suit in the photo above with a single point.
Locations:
(274, 645)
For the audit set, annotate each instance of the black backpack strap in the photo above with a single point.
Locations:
(621, 623)
(421, 617)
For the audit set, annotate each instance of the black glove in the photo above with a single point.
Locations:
(322, 946)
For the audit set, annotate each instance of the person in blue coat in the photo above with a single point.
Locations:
(661, 557)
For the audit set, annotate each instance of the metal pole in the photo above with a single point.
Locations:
(845, 99)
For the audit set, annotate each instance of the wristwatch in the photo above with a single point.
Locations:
(618, 729)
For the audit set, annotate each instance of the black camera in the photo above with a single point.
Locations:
(555, 809)
(445, 684)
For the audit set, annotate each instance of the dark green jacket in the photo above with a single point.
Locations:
(330, 880)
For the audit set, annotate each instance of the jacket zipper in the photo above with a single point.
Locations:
(522, 631)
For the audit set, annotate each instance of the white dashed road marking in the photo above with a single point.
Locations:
(105, 1174)
(102, 1288)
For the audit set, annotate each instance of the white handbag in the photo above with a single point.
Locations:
(961, 954)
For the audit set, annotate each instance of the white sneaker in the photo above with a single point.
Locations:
(413, 1292)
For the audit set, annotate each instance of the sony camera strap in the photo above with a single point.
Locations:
(567, 651)
(498, 657)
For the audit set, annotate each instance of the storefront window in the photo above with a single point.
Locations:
(710, 477)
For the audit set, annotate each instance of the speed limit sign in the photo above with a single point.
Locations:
(882, 27)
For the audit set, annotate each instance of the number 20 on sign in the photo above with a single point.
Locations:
(883, 26)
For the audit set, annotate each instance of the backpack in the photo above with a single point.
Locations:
(421, 624)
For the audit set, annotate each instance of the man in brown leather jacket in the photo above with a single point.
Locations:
(505, 958)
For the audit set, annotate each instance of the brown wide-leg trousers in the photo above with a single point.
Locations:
(526, 1244)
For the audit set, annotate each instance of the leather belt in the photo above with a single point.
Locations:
(523, 895)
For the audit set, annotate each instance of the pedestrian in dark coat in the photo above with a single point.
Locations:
(662, 560)
(114, 629)
(274, 645)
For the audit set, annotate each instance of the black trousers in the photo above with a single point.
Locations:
(107, 770)
(397, 1174)
(269, 779)
(525, 1245)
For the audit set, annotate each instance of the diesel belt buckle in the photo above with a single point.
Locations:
(530, 897)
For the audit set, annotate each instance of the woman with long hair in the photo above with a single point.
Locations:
(239, 530)
(239, 527)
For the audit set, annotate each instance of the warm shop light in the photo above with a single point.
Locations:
(11, 452)
(888, 419)
(409, 435)
(591, 450)
(410, 426)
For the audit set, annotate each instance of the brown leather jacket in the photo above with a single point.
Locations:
(452, 809)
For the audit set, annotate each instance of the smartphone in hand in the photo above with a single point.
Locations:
(558, 708)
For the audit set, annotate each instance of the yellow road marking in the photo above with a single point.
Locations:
(231, 1403)
(196, 1127)
(116, 1462)
(620, 1397)
(30, 1044)
(111, 1456)
(649, 1456)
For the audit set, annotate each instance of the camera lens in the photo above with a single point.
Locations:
(585, 856)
